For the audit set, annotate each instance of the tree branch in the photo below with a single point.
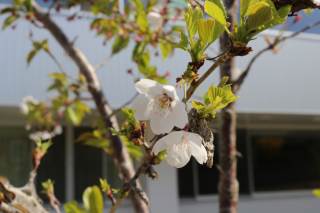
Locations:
(195, 84)
(297, 5)
(23, 201)
(239, 81)
(120, 154)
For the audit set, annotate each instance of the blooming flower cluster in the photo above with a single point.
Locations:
(161, 105)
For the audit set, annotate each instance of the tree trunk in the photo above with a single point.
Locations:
(228, 183)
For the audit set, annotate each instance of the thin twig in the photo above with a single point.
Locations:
(239, 81)
(220, 60)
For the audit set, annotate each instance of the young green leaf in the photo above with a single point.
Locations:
(316, 192)
(206, 30)
(9, 21)
(93, 200)
(141, 16)
(72, 116)
(37, 47)
(244, 5)
(166, 49)
(73, 207)
(192, 17)
(198, 105)
(119, 44)
(258, 14)
(220, 97)
(216, 10)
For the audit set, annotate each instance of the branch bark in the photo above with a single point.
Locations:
(228, 183)
(120, 153)
(297, 5)
(24, 200)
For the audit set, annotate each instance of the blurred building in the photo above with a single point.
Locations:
(278, 123)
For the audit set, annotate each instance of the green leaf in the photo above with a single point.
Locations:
(192, 16)
(216, 10)
(73, 207)
(72, 116)
(220, 97)
(183, 42)
(134, 151)
(198, 105)
(48, 186)
(104, 185)
(9, 21)
(141, 16)
(119, 44)
(284, 12)
(7, 10)
(93, 200)
(37, 47)
(244, 4)
(166, 49)
(31, 55)
(316, 192)
(44, 146)
(258, 14)
(206, 30)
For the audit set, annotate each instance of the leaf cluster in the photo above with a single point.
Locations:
(215, 99)
(257, 16)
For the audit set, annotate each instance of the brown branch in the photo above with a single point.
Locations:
(297, 5)
(195, 84)
(239, 81)
(120, 152)
(23, 201)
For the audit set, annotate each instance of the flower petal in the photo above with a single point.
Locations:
(168, 140)
(179, 114)
(171, 91)
(139, 105)
(148, 87)
(196, 148)
(161, 124)
(160, 146)
(178, 155)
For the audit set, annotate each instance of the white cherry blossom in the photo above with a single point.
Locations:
(316, 2)
(45, 135)
(155, 20)
(24, 108)
(180, 146)
(160, 105)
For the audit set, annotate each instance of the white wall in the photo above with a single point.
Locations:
(282, 83)
(283, 204)
(163, 192)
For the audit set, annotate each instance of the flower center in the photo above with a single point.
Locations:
(164, 101)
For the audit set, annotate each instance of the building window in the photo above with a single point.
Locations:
(72, 166)
(88, 165)
(269, 161)
(286, 160)
(15, 155)
(197, 180)
(53, 167)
